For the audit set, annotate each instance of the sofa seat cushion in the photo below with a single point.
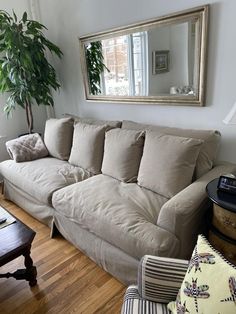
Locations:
(41, 177)
(124, 214)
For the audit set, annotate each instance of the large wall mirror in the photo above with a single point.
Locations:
(157, 61)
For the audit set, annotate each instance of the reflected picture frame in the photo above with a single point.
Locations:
(160, 61)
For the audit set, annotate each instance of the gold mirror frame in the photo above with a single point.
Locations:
(199, 14)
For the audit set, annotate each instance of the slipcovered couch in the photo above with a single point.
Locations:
(119, 191)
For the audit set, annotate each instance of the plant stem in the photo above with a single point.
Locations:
(29, 117)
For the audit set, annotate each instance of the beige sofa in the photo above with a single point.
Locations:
(120, 202)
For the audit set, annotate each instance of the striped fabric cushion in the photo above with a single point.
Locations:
(160, 278)
(134, 304)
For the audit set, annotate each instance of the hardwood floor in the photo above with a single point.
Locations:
(68, 281)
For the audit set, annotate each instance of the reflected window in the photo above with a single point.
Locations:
(127, 65)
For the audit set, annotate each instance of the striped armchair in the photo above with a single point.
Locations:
(159, 280)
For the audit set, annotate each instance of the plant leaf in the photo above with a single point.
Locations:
(14, 14)
(24, 18)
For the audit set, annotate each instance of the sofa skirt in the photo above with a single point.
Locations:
(111, 259)
(42, 212)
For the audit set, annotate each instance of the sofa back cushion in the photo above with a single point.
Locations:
(58, 137)
(88, 146)
(168, 163)
(208, 150)
(122, 154)
(111, 123)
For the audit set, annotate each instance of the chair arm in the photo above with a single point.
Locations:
(183, 214)
(134, 304)
(159, 278)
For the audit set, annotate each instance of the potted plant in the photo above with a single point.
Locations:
(25, 72)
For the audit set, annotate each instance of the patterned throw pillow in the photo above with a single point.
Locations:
(209, 286)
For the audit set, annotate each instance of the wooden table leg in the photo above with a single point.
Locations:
(31, 271)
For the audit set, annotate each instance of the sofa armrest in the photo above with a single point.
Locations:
(183, 214)
(159, 278)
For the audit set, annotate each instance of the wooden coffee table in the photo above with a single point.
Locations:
(16, 240)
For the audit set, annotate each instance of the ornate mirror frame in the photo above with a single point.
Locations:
(198, 14)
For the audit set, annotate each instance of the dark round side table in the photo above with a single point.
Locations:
(222, 226)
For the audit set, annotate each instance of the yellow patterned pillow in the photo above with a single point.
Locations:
(209, 286)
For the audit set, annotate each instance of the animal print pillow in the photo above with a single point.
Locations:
(209, 285)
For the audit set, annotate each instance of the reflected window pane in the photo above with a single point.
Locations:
(116, 59)
(125, 59)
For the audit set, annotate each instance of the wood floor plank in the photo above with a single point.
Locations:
(82, 286)
(68, 281)
(113, 305)
(98, 299)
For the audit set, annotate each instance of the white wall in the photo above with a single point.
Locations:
(12, 127)
(69, 19)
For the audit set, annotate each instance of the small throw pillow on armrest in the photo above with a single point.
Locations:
(122, 154)
(160, 278)
(58, 137)
(168, 163)
(209, 285)
(88, 146)
(26, 148)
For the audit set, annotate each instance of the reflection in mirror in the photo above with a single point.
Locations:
(160, 61)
